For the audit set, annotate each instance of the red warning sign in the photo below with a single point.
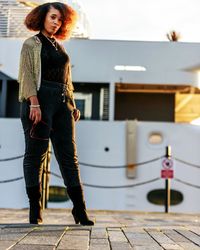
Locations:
(167, 174)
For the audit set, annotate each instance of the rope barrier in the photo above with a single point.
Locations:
(86, 184)
(93, 165)
(97, 186)
(186, 183)
(125, 186)
(110, 167)
(186, 163)
(108, 187)
(12, 158)
(114, 167)
(124, 166)
(12, 180)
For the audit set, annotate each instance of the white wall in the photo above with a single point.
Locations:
(94, 60)
(92, 139)
(12, 194)
(185, 144)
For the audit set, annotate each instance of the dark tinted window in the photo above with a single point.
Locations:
(58, 194)
(157, 197)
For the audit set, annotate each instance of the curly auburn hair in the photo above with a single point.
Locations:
(35, 19)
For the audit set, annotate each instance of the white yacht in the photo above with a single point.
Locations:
(136, 99)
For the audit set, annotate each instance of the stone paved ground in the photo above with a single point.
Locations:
(113, 230)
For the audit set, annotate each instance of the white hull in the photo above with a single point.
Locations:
(92, 139)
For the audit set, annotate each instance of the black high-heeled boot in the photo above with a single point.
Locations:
(79, 210)
(35, 211)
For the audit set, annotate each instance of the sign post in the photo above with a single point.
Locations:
(167, 172)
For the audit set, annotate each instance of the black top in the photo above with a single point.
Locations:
(54, 60)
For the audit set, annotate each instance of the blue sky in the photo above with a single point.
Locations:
(143, 20)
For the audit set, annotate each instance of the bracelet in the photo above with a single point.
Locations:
(34, 106)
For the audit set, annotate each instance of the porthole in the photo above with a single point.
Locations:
(106, 149)
(155, 138)
(58, 194)
(157, 197)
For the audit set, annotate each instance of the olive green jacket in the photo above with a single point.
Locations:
(29, 77)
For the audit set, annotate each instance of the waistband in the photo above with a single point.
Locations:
(52, 84)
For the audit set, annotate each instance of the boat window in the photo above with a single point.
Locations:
(0, 90)
(84, 104)
(92, 99)
(155, 138)
(58, 194)
(157, 197)
(132, 104)
(12, 103)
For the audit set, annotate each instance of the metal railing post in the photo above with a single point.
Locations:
(167, 183)
(45, 178)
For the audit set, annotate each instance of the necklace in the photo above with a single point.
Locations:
(53, 42)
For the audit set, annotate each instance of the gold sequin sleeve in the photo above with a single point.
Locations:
(27, 83)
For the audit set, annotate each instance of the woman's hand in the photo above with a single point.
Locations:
(35, 114)
(35, 111)
(76, 114)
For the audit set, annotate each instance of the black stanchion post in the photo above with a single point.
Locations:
(45, 179)
(48, 175)
(167, 183)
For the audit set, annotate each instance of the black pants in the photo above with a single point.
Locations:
(58, 125)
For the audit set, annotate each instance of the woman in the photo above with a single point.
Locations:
(48, 109)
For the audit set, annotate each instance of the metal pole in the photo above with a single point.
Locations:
(44, 183)
(45, 179)
(167, 183)
(48, 175)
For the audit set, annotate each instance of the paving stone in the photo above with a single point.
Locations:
(176, 237)
(56, 231)
(168, 243)
(73, 242)
(196, 230)
(99, 241)
(160, 237)
(140, 239)
(147, 247)
(171, 247)
(99, 247)
(120, 246)
(114, 230)
(135, 229)
(78, 232)
(33, 247)
(37, 240)
(99, 233)
(45, 235)
(117, 236)
(6, 244)
(99, 244)
(191, 236)
(12, 233)
(189, 246)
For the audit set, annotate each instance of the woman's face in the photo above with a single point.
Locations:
(52, 22)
